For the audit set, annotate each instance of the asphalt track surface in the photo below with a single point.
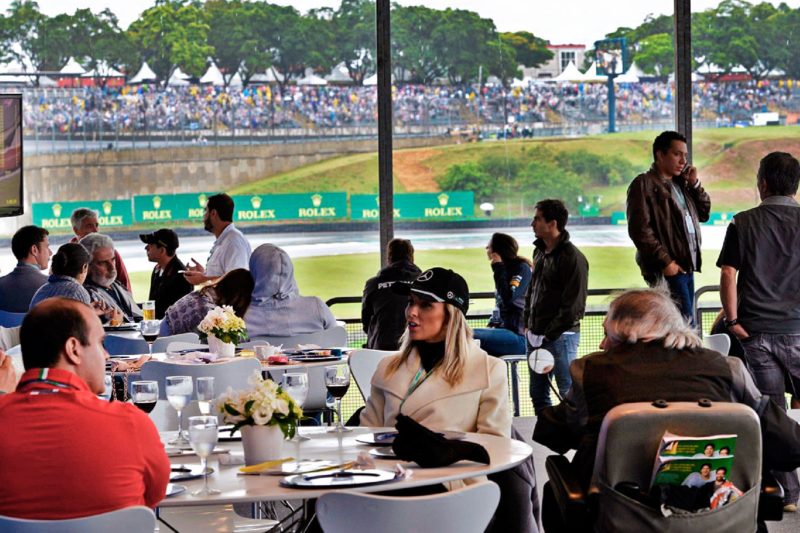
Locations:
(310, 244)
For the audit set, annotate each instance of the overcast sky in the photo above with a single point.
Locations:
(569, 21)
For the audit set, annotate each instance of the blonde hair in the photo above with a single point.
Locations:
(646, 315)
(457, 339)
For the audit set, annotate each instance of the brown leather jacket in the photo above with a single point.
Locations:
(656, 226)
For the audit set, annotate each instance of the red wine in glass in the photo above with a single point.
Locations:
(150, 339)
(338, 391)
(146, 406)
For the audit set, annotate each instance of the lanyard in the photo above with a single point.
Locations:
(58, 385)
(419, 379)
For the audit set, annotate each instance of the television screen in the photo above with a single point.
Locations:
(611, 56)
(11, 164)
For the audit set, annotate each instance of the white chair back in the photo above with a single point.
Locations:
(329, 338)
(233, 373)
(178, 346)
(466, 510)
(162, 343)
(363, 364)
(118, 345)
(137, 519)
(718, 342)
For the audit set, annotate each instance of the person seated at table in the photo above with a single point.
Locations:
(651, 352)
(440, 377)
(185, 315)
(505, 334)
(65, 453)
(31, 246)
(167, 284)
(102, 281)
(277, 309)
(84, 221)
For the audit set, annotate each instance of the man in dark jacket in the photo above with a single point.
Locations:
(382, 310)
(556, 298)
(665, 207)
(167, 286)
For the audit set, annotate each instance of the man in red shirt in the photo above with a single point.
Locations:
(64, 453)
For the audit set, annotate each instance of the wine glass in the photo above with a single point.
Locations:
(149, 329)
(179, 393)
(296, 385)
(337, 381)
(203, 435)
(108, 383)
(144, 395)
(205, 394)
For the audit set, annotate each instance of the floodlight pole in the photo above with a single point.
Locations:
(385, 183)
(683, 70)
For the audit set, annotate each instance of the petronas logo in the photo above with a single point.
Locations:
(316, 200)
(443, 199)
(107, 207)
(255, 201)
(57, 210)
(156, 202)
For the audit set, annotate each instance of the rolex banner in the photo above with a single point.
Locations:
(55, 215)
(167, 207)
(426, 206)
(307, 206)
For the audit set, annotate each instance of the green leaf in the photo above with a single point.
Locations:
(231, 411)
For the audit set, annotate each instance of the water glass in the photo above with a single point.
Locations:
(203, 435)
(337, 381)
(205, 394)
(107, 393)
(144, 395)
(179, 393)
(296, 385)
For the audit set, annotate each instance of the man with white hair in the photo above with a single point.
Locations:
(84, 221)
(102, 282)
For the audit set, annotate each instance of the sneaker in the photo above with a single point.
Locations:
(790, 508)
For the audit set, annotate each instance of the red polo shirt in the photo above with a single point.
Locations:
(64, 453)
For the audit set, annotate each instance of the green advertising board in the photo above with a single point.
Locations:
(619, 218)
(429, 206)
(720, 219)
(55, 215)
(309, 206)
(169, 207)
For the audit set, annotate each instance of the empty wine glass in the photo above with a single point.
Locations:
(203, 435)
(296, 385)
(149, 330)
(337, 381)
(205, 394)
(179, 393)
(144, 395)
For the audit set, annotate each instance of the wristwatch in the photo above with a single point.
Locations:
(730, 323)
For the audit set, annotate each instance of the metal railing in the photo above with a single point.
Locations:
(591, 335)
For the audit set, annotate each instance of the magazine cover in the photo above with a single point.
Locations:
(711, 446)
(692, 472)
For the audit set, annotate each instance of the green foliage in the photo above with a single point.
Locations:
(597, 169)
(530, 50)
(469, 177)
(656, 54)
(354, 38)
(235, 34)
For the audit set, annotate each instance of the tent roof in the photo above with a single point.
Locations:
(571, 74)
(178, 79)
(236, 80)
(371, 80)
(213, 76)
(145, 74)
(339, 74)
(72, 67)
(591, 73)
(103, 70)
(312, 79)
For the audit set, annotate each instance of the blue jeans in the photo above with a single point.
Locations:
(564, 350)
(500, 341)
(681, 287)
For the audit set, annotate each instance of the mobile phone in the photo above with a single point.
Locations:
(182, 271)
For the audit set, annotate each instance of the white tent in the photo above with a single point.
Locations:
(178, 78)
(103, 70)
(569, 74)
(628, 77)
(213, 76)
(13, 67)
(45, 81)
(236, 81)
(312, 79)
(145, 74)
(592, 75)
(516, 82)
(371, 80)
(339, 74)
(72, 68)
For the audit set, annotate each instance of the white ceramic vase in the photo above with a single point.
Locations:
(261, 443)
(222, 349)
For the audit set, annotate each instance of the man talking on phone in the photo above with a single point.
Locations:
(666, 205)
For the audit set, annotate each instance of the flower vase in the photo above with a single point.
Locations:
(261, 443)
(222, 349)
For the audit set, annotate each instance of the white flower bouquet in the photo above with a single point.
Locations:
(264, 404)
(222, 323)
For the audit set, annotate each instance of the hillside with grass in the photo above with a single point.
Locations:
(511, 174)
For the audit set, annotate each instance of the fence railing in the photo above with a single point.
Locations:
(591, 333)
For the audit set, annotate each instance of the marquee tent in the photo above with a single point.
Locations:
(144, 75)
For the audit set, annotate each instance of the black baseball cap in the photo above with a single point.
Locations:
(163, 237)
(438, 285)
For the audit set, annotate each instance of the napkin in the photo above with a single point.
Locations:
(415, 442)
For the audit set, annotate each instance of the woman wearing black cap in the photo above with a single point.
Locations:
(440, 377)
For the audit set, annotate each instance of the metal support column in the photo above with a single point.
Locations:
(385, 183)
(683, 70)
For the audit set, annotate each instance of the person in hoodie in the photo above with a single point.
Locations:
(276, 307)
(382, 309)
(505, 334)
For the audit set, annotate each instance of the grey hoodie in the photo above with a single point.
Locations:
(276, 308)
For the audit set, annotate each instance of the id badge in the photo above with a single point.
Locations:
(689, 223)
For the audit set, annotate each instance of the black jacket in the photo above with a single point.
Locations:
(382, 311)
(556, 296)
(169, 287)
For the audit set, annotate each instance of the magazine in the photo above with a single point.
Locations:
(693, 461)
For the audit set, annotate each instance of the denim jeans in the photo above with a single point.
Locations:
(773, 360)
(500, 341)
(681, 287)
(564, 350)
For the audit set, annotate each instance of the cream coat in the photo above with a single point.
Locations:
(479, 404)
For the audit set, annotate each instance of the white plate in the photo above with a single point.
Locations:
(300, 467)
(178, 452)
(339, 478)
(384, 452)
(191, 472)
(384, 438)
(173, 489)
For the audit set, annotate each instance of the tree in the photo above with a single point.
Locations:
(233, 33)
(414, 52)
(656, 54)
(23, 23)
(531, 51)
(353, 26)
(461, 39)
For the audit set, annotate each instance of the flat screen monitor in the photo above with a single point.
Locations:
(11, 165)
(611, 56)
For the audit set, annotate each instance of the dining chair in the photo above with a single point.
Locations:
(118, 345)
(137, 519)
(719, 342)
(363, 364)
(162, 343)
(10, 320)
(328, 338)
(234, 373)
(466, 510)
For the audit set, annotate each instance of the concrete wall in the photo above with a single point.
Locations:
(121, 174)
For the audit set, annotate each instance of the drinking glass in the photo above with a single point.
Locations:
(296, 385)
(108, 382)
(203, 435)
(179, 393)
(337, 381)
(205, 394)
(144, 395)
(149, 310)
(149, 329)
